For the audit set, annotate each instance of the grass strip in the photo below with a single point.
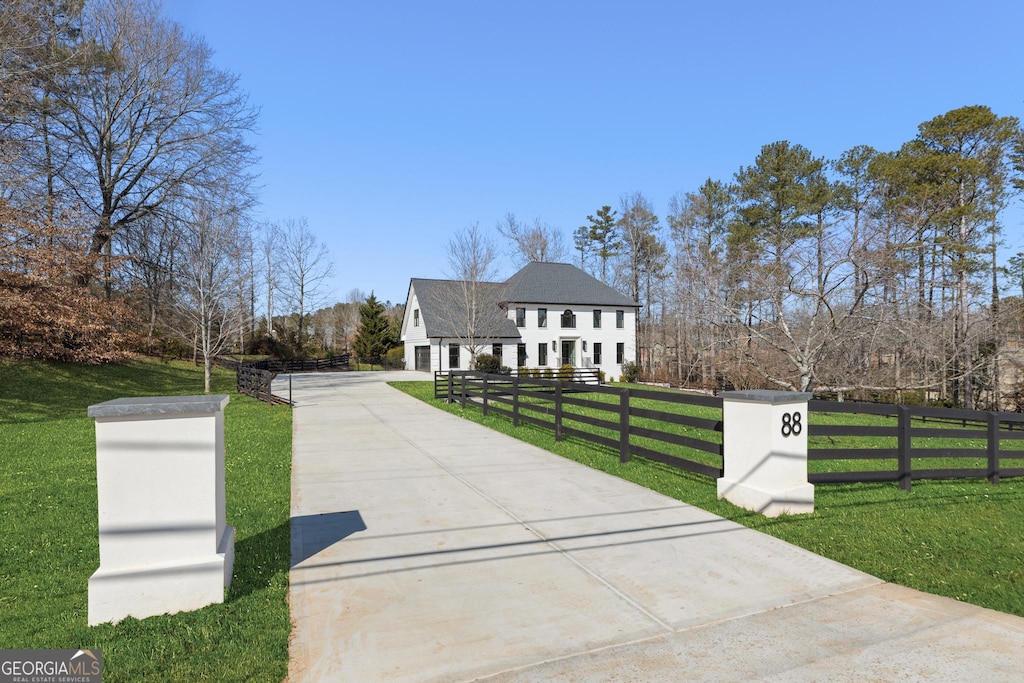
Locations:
(48, 503)
(960, 539)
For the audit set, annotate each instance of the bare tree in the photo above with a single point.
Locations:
(146, 119)
(810, 313)
(38, 40)
(23, 42)
(537, 242)
(641, 265)
(206, 302)
(270, 235)
(699, 224)
(152, 244)
(305, 265)
(346, 317)
(246, 280)
(471, 305)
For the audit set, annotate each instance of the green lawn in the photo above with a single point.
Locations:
(50, 546)
(961, 539)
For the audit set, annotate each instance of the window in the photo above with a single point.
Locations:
(416, 317)
(520, 317)
(568, 320)
(620, 319)
(597, 353)
(496, 351)
(597, 318)
(453, 356)
(542, 354)
(542, 317)
(521, 355)
(620, 352)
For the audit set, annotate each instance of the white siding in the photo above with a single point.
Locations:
(412, 334)
(608, 335)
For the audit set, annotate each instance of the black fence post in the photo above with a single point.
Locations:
(558, 410)
(462, 385)
(451, 383)
(624, 426)
(993, 448)
(484, 397)
(515, 401)
(903, 442)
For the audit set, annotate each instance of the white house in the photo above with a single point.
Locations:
(544, 316)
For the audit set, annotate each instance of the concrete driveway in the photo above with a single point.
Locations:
(428, 548)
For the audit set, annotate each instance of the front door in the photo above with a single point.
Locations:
(569, 352)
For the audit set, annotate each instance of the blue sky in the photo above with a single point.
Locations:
(391, 125)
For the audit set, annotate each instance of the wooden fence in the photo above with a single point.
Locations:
(256, 382)
(590, 376)
(301, 364)
(254, 378)
(912, 443)
(896, 443)
(652, 424)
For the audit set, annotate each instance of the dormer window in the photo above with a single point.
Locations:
(568, 320)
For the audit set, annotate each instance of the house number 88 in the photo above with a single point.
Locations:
(791, 425)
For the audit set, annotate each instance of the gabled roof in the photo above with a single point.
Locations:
(443, 316)
(557, 284)
(562, 284)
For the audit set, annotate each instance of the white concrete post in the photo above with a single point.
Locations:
(765, 452)
(164, 544)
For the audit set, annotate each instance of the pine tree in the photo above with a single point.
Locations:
(602, 233)
(374, 336)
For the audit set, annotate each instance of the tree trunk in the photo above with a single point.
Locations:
(997, 337)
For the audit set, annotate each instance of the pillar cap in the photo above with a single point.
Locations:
(159, 405)
(768, 396)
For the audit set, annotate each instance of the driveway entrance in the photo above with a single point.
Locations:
(429, 548)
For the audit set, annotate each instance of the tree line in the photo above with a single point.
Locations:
(878, 273)
(126, 195)
(126, 221)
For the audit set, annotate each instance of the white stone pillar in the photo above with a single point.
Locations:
(165, 546)
(765, 452)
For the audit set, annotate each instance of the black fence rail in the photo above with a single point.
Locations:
(257, 382)
(910, 443)
(305, 364)
(254, 378)
(589, 376)
(673, 428)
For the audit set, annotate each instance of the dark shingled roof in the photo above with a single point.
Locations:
(443, 316)
(563, 284)
(558, 284)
